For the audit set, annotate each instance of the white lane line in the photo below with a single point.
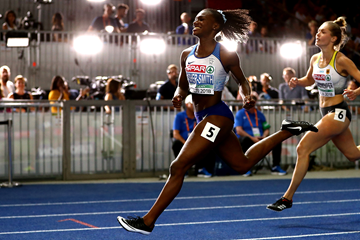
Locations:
(303, 236)
(177, 198)
(170, 210)
(192, 223)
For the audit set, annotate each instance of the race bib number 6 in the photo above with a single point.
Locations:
(210, 132)
(340, 114)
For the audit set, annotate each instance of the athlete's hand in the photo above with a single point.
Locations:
(293, 82)
(248, 102)
(177, 101)
(351, 94)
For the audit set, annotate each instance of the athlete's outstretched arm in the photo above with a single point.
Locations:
(183, 85)
(350, 68)
(307, 80)
(231, 62)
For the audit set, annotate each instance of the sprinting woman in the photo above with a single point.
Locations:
(329, 69)
(205, 69)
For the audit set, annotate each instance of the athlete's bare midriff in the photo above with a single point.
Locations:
(202, 102)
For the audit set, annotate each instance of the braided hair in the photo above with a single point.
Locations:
(234, 24)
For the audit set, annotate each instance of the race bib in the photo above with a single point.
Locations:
(201, 78)
(210, 132)
(340, 114)
(326, 88)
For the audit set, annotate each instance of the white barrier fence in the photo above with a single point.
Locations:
(134, 141)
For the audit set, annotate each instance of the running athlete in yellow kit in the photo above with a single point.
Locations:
(329, 69)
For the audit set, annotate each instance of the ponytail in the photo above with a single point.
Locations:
(234, 24)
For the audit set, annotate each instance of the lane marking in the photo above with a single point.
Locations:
(171, 210)
(302, 236)
(192, 223)
(77, 221)
(177, 198)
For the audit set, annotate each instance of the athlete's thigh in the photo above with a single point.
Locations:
(206, 136)
(346, 144)
(328, 129)
(231, 152)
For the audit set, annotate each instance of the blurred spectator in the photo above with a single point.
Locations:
(113, 92)
(59, 91)
(121, 12)
(57, 25)
(311, 35)
(254, 85)
(167, 90)
(265, 45)
(268, 92)
(7, 86)
(10, 21)
(287, 93)
(250, 127)
(184, 123)
(20, 92)
(105, 22)
(253, 30)
(321, 14)
(185, 28)
(138, 25)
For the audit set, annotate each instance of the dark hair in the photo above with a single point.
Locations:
(338, 30)
(122, 6)
(236, 26)
(57, 19)
(55, 81)
(140, 10)
(7, 16)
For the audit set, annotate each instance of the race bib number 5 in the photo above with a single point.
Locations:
(210, 132)
(340, 114)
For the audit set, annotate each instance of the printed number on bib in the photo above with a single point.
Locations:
(210, 132)
(340, 114)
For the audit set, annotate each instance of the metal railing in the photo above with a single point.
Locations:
(80, 141)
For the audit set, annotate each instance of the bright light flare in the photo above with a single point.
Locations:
(88, 44)
(109, 28)
(151, 2)
(291, 50)
(229, 45)
(152, 46)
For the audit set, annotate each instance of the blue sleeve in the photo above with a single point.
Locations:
(177, 122)
(262, 118)
(180, 30)
(239, 119)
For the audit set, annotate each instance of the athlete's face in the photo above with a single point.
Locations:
(204, 23)
(323, 36)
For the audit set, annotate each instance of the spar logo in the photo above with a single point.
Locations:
(195, 68)
(319, 77)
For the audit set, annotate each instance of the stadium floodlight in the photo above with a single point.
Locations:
(291, 50)
(88, 44)
(152, 46)
(151, 2)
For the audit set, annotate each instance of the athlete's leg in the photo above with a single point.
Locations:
(345, 143)
(231, 152)
(195, 148)
(328, 129)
